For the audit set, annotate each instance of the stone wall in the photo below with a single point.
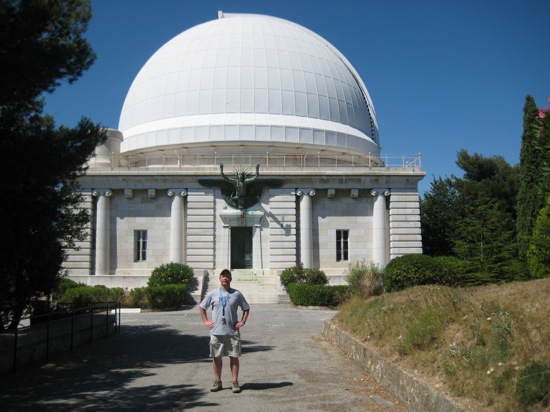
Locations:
(413, 393)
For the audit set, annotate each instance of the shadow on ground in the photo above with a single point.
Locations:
(104, 376)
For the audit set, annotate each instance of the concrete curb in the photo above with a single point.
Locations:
(413, 393)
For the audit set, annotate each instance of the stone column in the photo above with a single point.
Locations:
(176, 225)
(102, 246)
(379, 231)
(306, 229)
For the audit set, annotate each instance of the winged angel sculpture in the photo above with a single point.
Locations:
(244, 189)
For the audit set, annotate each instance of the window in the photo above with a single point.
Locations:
(342, 245)
(140, 245)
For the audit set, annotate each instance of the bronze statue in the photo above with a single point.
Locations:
(244, 189)
(241, 181)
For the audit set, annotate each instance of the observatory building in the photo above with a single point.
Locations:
(249, 143)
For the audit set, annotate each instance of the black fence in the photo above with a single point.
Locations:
(39, 336)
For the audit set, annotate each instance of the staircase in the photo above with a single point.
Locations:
(257, 289)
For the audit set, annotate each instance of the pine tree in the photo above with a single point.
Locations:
(42, 45)
(538, 254)
(530, 200)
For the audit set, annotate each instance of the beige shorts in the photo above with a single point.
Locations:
(225, 345)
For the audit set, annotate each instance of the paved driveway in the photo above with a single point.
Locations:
(160, 362)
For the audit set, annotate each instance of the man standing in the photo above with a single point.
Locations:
(225, 336)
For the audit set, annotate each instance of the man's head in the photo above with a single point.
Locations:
(225, 274)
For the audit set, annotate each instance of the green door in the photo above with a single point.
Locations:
(241, 248)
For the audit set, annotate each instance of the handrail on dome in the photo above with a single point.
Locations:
(286, 161)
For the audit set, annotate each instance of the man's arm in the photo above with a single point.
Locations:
(241, 323)
(205, 320)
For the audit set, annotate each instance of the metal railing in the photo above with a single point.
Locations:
(286, 161)
(42, 330)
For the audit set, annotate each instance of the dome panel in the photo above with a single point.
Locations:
(264, 74)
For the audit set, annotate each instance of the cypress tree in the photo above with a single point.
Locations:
(530, 200)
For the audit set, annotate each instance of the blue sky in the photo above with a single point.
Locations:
(444, 75)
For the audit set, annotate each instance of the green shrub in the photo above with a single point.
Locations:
(538, 254)
(298, 274)
(423, 331)
(166, 296)
(453, 267)
(364, 279)
(138, 298)
(171, 274)
(292, 275)
(533, 385)
(66, 283)
(116, 294)
(480, 279)
(315, 277)
(413, 270)
(83, 295)
(516, 270)
(302, 294)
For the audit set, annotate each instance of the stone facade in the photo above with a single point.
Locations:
(245, 91)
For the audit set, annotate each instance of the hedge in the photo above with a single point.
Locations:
(166, 296)
(83, 296)
(317, 295)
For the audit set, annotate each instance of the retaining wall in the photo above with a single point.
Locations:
(413, 393)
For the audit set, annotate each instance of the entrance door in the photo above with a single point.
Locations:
(241, 248)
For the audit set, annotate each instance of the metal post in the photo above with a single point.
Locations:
(107, 319)
(48, 336)
(92, 324)
(15, 336)
(72, 328)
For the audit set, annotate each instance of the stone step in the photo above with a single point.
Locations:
(257, 289)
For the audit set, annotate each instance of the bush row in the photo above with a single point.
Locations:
(367, 279)
(413, 270)
(317, 295)
(166, 289)
(169, 296)
(82, 295)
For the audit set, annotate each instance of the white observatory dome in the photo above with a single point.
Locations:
(248, 80)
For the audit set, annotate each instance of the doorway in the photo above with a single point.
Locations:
(241, 248)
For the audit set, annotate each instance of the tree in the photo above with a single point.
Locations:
(438, 209)
(41, 45)
(457, 212)
(530, 199)
(41, 42)
(489, 177)
(481, 237)
(538, 254)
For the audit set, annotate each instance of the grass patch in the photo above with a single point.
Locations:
(490, 344)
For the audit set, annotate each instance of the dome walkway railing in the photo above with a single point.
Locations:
(170, 162)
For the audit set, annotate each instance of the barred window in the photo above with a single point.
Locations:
(140, 245)
(342, 245)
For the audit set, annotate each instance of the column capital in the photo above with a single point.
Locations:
(380, 192)
(303, 192)
(176, 192)
(102, 192)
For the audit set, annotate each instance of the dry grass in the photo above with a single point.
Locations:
(474, 344)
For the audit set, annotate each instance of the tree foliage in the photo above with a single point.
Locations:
(41, 44)
(538, 254)
(483, 237)
(439, 217)
(530, 197)
(42, 41)
(473, 217)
